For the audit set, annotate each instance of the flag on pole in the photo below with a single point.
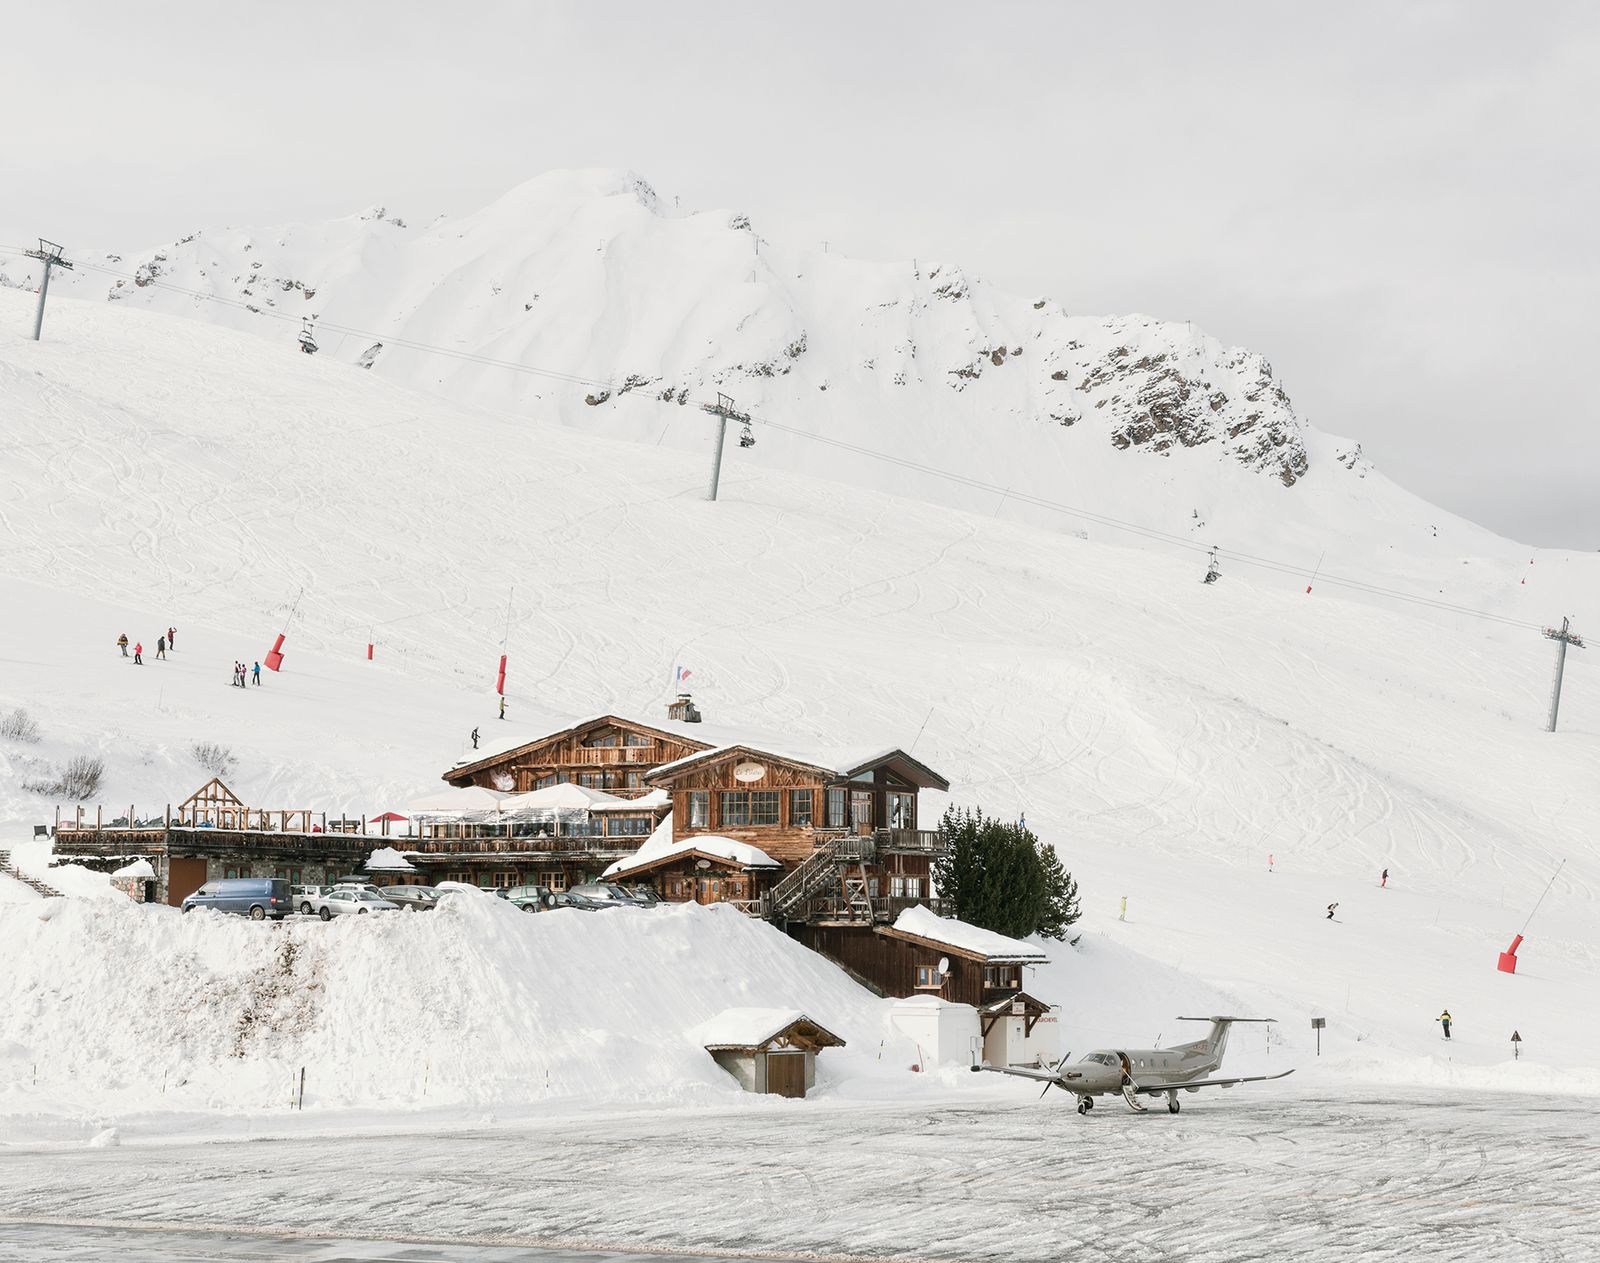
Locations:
(683, 673)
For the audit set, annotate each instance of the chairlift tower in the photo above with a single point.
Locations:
(1563, 637)
(48, 253)
(724, 411)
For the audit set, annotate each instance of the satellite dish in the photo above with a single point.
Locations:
(944, 965)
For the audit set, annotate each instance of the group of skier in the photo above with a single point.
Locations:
(241, 672)
(163, 643)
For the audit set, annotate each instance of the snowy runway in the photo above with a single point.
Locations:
(1250, 1174)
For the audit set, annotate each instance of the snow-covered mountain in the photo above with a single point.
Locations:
(1167, 735)
(634, 312)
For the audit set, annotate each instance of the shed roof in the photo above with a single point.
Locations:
(753, 1029)
(923, 925)
(707, 846)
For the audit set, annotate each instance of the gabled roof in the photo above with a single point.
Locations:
(489, 759)
(840, 767)
(750, 1029)
(723, 852)
(1031, 1005)
(927, 928)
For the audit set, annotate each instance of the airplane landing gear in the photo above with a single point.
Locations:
(1172, 1102)
(1083, 1105)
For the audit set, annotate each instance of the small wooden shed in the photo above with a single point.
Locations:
(767, 1050)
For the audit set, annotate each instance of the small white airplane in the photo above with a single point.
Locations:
(1137, 1072)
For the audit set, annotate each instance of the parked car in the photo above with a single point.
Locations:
(531, 898)
(410, 898)
(646, 895)
(572, 899)
(255, 897)
(343, 900)
(609, 893)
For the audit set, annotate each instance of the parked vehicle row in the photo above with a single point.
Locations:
(261, 898)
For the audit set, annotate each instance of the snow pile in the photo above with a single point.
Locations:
(119, 1006)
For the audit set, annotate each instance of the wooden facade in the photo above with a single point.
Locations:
(606, 753)
(899, 964)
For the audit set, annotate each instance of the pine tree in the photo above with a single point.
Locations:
(1061, 908)
(999, 876)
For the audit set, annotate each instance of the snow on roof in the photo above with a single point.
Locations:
(388, 860)
(843, 762)
(744, 1028)
(655, 846)
(741, 853)
(647, 802)
(925, 923)
(139, 868)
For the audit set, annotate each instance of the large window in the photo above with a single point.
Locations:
(633, 780)
(837, 807)
(592, 780)
(902, 811)
(627, 826)
(861, 808)
(637, 739)
(799, 807)
(750, 807)
(699, 808)
(902, 887)
(1000, 976)
(606, 741)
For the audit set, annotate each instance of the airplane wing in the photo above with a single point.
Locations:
(1038, 1076)
(1210, 1083)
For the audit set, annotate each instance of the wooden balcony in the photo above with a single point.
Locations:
(637, 756)
(917, 841)
(533, 848)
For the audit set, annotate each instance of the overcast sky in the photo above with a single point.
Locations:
(1395, 203)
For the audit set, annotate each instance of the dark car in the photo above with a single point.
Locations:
(609, 894)
(411, 898)
(255, 897)
(572, 899)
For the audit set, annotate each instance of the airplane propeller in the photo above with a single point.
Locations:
(1057, 1070)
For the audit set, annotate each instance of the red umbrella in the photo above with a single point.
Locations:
(388, 815)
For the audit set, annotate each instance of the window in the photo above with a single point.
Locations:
(861, 808)
(764, 806)
(505, 879)
(627, 826)
(897, 887)
(637, 739)
(913, 887)
(633, 780)
(229, 873)
(699, 809)
(999, 976)
(459, 875)
(928, 977)
(736, 806)
(799, 807)
(605, 741)
(837, 819)
(553, 878)
(902, 811)
(592, 780)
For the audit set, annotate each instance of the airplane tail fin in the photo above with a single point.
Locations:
(1216, 1039)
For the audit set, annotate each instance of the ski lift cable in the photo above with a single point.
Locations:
(1147, 532)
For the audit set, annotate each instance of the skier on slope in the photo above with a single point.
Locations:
(122, 643)
(161, 646)
(474, 738)
(1331, 909)
(1384, 881)
(256, 675)
(1445, 1019)
(138, 654)
(502, 706)
(172, 637)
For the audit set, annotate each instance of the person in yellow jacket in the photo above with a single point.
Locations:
(122, 643)
(1445, 1019)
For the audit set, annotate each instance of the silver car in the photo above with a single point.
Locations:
(342, 902)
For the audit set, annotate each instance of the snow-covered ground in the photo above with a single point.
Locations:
(1167, 736)
(1242, 1176)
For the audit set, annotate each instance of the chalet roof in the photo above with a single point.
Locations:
(999, 1008)
(467, 800)
(654, 800)
(752, 1029)
(923, 925)
(564, 795)
(482, 760)
(706, 846)
(828, 765)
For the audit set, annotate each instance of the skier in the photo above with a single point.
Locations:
(138, 654)
(1331, 908)
(1445, 1019)
(161, 646)
(1385, 880)
(122, 643)
(256, 676)
(502, 706)
(474, 738)
(172, 637)
(1269, 863)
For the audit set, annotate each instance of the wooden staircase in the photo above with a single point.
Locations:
(826, 870)
(12, 871)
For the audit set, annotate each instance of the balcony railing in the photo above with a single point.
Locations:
(922, 841)
(637, 755)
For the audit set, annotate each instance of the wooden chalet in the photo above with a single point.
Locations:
(606, 752)
(923, 953)
(844, 838)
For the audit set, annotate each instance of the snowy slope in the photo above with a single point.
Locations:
(1167, 735)
(641, 311)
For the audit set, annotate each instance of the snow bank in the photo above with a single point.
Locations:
(476, 1002)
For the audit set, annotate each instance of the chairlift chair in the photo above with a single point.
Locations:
(308, 339)
(747, 436)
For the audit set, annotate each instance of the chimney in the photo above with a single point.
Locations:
(683, 710)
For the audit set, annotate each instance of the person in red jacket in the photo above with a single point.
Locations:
(138, 654)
